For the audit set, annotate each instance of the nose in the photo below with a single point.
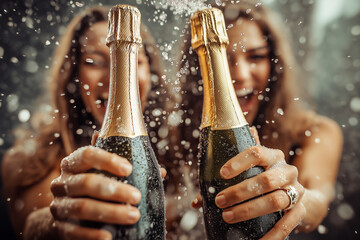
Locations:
(240, 71)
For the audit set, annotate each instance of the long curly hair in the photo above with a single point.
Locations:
(55, 133)
(280, 120)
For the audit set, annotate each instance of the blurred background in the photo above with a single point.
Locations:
(326, 43)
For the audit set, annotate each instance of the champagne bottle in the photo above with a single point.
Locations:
(224, 130)
(123, 131)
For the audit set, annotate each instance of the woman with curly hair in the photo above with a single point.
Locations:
(79, 91)
(300, 149)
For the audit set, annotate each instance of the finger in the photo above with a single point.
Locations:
(94, 137)
(90, 157)
(72, 231)
(255, 134)
(287, 223)
(96, 186)
(272, 202)
(269, 203)
(268, 181)
(250, 157)
(197, 202)
(93, 210)
(163, 172)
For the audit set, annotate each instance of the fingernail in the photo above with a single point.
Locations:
(127, 168)
(235, 165)
(136, 196)
(220, 200)
(225, 172)
(228, 216)
(133, 215)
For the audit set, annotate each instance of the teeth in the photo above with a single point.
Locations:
(101, 102)
(243, 92)
(105, 95)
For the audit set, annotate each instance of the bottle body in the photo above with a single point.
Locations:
(123, 130)
(145, 177)
(216, 148)
(224, 130)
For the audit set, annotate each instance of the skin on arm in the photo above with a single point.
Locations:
(318, 167)
(30, 200)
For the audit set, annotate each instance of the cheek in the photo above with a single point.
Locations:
(92, 78)
(262, 73)
(89, 79)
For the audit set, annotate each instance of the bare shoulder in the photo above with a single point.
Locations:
(323, 138)
(328, 127)
(318, 125)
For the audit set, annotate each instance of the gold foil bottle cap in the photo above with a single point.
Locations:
(124, 24)
(208, 26)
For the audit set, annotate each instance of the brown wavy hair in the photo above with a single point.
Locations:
(32, 158)
(280, 121)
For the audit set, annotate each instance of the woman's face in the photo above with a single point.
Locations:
(94, 71)
(249, 64)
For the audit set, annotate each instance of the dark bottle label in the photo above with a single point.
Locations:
(146, 177)
(216, 148)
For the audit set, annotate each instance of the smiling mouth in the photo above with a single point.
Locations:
(245, 97)
(102, 100)
(244, 92)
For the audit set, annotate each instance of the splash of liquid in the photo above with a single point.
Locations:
(185, 7)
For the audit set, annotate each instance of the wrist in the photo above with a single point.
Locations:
(316, 205)
(39, 225)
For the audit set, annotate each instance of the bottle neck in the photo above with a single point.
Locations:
(221, 109)
(123, 115)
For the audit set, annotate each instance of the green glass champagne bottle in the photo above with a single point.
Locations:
(224, 130)
(123, 131)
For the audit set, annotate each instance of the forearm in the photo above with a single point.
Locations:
(316, 205)
(318, 166)
(39, 225)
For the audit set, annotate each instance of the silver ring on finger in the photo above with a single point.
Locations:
(293, 196)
